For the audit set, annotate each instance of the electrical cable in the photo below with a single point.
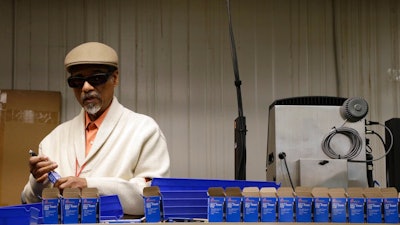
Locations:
(354, 137)
(282, 156)
(387, 148)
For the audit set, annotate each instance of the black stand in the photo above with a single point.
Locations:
(240, 121)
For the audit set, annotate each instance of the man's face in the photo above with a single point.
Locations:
(94, 95)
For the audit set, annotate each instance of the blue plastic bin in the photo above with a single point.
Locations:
(186, 198)
(20, 216)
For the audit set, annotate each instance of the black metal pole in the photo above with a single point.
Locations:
(240, 121)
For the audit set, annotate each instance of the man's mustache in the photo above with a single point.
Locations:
(90, 95)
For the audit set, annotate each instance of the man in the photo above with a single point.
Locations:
(106, 146)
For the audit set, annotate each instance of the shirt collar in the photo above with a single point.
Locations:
(98, 121)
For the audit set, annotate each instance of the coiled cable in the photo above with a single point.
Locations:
(352, 134)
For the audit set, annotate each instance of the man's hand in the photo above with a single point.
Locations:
(71, 182)
(40, 166)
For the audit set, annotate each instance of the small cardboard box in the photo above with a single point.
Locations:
(338, 206)
(233, 204)
(70, 205)
(90, 206)
(321, 204)
(152, 204)
(390, 205)
(286, 200)
(251, 204)
(356, 204)
(304, 203)
(268, 201)
(374, 202)
(216, 202)
(51, 205)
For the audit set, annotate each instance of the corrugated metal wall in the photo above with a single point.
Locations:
(176, 63)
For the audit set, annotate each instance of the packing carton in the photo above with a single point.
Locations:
(286, 200)
(268, 201)
(90, 206)
(321, 204)
(251, 204)
(303, 203)
(51, 205)
(216, 202)
(233, 204)
(338, 206)
(26, 117)
(152, 203)
(70, 205)
(355, 204)
(390, 205)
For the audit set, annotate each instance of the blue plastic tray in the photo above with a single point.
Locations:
(187, 198)
(204, 184)
(20, 216)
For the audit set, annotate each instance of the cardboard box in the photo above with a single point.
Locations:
(90, 206)
(251, 204)
(152, 204)
(70, 205)
(286, 200)
(216, 203)
(356, 204)
(268, 201)
(26, 117)
(390, 205)
(321, 204)
(304, 204)
(338, 206)
(51, 206)
(233, 204)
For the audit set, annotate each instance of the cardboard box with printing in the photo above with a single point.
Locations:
(26, 117)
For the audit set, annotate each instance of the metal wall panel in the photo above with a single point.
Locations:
(176, 63)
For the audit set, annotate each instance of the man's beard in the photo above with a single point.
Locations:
(92, 109)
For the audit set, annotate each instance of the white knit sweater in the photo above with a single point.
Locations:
(128, 147)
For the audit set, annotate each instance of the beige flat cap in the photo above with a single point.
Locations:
(91, 53)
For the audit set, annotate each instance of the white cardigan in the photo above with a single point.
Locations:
(128, 147)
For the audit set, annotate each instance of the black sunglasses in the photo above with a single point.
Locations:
(94, 80)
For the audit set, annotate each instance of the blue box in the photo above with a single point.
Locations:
(70, 205)
(51, 205)
(285, 209)
(152, 204)
(338, 209)
(268, 204)
(321, 209)
(304, 208)
(338, 205)
(286, 201)
(391, 210)
(233, 204)
(374, 209)
(356, 209)
(216, 203)
(90, 205)
(251, 204)
(390, 205)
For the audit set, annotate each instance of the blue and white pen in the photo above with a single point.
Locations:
(53, 175)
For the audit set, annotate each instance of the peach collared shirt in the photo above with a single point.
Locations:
(91, 129)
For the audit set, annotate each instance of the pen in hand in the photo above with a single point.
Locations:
(53, 175)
